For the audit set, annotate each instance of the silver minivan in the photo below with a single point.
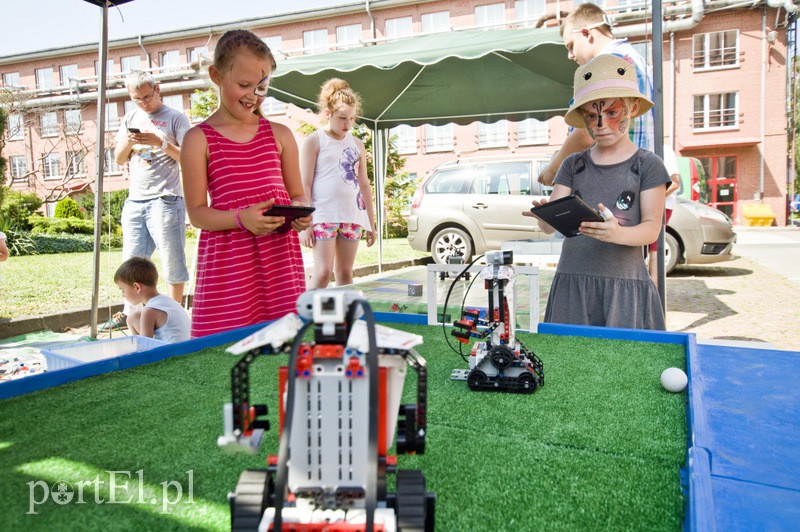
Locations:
(469, 207)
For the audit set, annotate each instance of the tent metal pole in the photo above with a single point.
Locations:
(377, 170)
(658, 138)
(99, 167)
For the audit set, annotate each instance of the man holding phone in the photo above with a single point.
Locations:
(154, 215)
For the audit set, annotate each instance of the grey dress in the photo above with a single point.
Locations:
(599, 283)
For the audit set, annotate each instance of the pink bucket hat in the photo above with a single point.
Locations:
(605, 76)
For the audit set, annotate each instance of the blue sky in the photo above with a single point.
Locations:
(32, 25)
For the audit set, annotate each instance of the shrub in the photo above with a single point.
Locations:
(17, 242)
(72, 243)
(112, 204)
(18, 207)
(51, 226)
(68, 208)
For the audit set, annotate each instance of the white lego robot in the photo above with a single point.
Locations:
(498, 361)
(340, 403)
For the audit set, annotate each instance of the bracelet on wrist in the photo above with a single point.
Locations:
(239, 221)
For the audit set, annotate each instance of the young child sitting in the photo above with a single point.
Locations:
(161, 317)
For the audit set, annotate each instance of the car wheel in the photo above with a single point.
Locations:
(451, 241)
(672, 252)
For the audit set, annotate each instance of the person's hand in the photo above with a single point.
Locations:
(547, 175)
(604, 231)
(307, 237)
(147, 138)
(535, 203)
(370, 236)
(301, 224)
(253, 219)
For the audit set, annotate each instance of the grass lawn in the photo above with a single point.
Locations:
(38, 285)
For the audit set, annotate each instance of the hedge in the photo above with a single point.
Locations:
(72, 243)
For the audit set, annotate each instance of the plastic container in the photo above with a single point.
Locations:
(83, 352)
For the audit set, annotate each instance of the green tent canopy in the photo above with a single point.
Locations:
(455, 77)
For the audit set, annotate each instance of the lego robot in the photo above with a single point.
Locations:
(339, 406)
(498, 361)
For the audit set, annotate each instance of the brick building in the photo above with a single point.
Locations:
(725, 89)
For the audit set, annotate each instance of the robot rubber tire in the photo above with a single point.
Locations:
(254, 493)
(411, 501)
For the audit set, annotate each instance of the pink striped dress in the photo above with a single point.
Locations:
(243, 279)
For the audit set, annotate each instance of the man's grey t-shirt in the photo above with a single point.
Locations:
(153, 173)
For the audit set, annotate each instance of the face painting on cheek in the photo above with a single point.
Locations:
(617, 116)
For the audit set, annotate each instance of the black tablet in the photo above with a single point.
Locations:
(566, 214)
(290, 212)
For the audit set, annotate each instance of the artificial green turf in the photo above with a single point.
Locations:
(600, 446)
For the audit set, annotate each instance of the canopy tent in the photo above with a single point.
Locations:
(455, 77)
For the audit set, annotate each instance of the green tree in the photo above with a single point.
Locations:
(68, 208)
(112, 204)
(397, 190)
(204, 104)
(18, 206)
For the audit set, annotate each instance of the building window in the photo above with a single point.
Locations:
(716, 111)
(48, 124)
(69, 75)
(11, 80)
(51, 166)
(198, 54)
(490, 15)
(111, 166)
(630, 6)
(599, 3)
(271, 106)
(716, 50)
(112, 117)
(348, 36)
(75, 163)
(531, 131)
(44, 78)
(438, 138)
(529, 11)
(109, 69)
(169, 60)
(404, 139)
(274, 43)
(175, 101)
(72, 121)
(14, 127)
(128, 106)
(493, 135)
(129, 64)
(435, 22)
(397, 28)
(19, 167)
(315, 41)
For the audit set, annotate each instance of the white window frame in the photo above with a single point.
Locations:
(702, 53)
(109, 69)
(112, 116)
(174, 101)
(348, 36)
(438, 138)
(51, 166)
(129, 106)
(275, 43)
(405, 141)
(15, 127)
(129, 63)
(11, 80)
(76, 163)
(599, 3)
(48, 124)
(713, 119)
(531, 132)
(631, 6)
(271, 106)
(527, 12)
(169, 60)
(73, 121)
(67, 73)
(19, 167)
(493, 135)
(398, 28)
(436, 22)
(45, 79)
(110, 162)
(197, 53)
(315, 41)
(490, 15)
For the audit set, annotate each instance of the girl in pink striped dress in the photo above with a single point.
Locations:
(247, 272)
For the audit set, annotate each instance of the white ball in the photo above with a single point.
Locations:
(674, 380)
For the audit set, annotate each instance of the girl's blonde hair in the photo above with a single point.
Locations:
(335, 94)
(230, 43)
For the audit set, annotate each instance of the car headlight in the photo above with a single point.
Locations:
(704, 211)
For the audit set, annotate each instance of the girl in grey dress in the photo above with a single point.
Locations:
(601, 277)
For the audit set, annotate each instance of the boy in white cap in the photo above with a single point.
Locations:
(601, 278)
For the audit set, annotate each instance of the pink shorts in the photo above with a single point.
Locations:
(329, 231)
(667, 215)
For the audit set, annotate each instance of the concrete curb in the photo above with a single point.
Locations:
(82, 318)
